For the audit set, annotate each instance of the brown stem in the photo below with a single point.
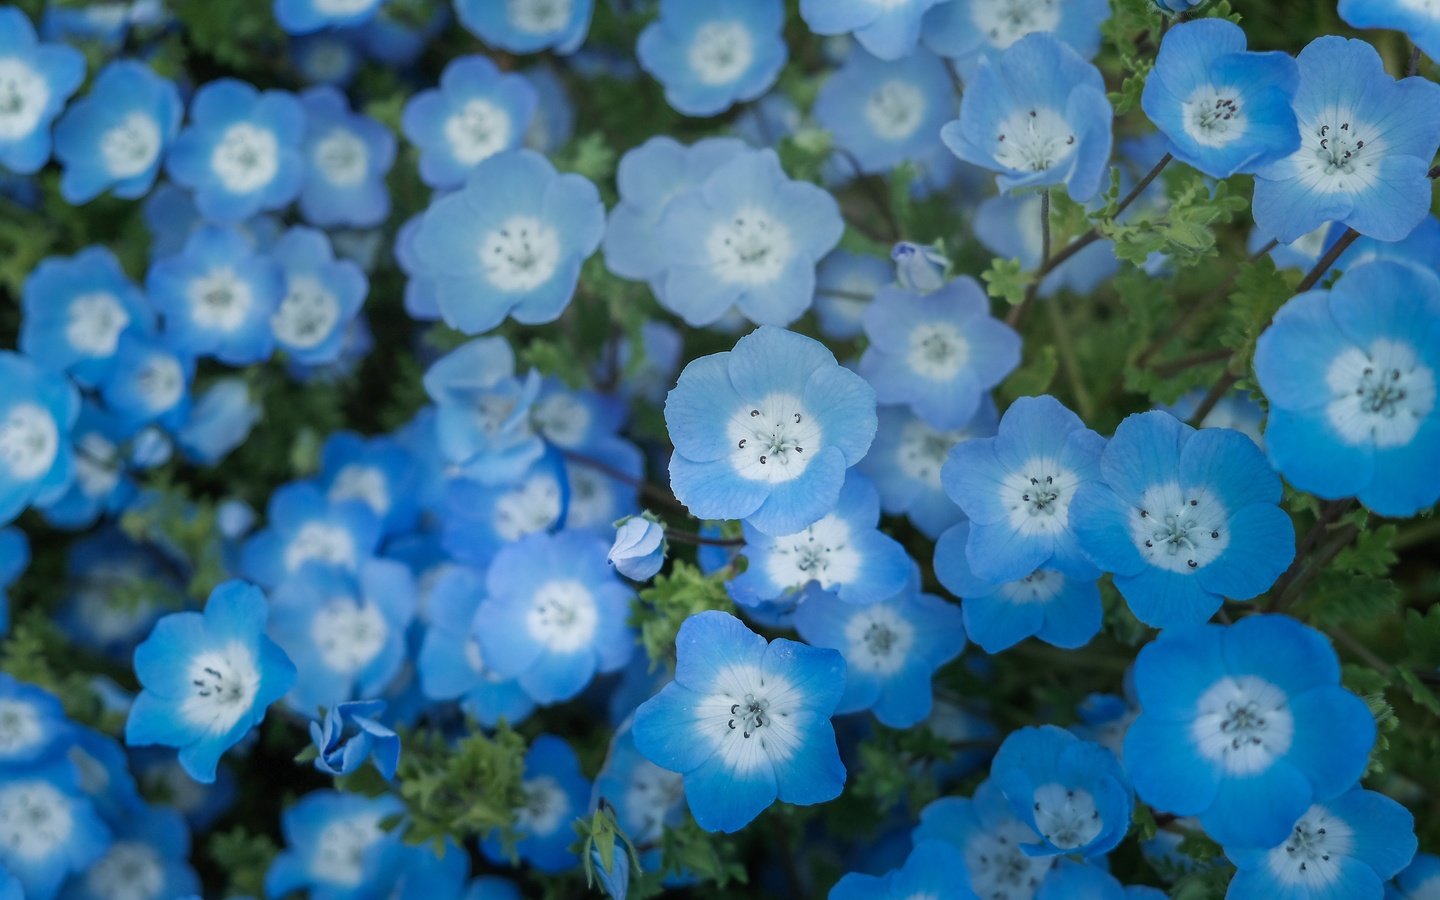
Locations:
(652, 491)
(1329, 512)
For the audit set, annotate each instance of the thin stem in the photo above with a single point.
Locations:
(1217, 393)
(1017, 315)
(652, 491)
(1296, 587)
(1354, 645)
(1074, 372)
(1329, 512)
(876, 192)
(1044, 227)
(700, 540)
(1176, 366)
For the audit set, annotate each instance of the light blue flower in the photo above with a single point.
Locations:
(347, 156)
(37, 80)
(1037, 115)
(378, 471)
(1366, 142)
(556, 793)
(52, 829)
(747, 237)
(1075, 881)
(88, 613)
(907, 458)
(482, 421)
(646, 798)
(919, 269)
(929, 871)
(969, 30)
(335, 847)
(577, 419)
(478, 520)
(322, 296)
(1017, 489)
(990, 837)
(148, 858)
(639, 549)
(1223, 109)
(614, 879)
(845, 283)
(305, 526)
(240, 153)
(207, 678)
(1350, 376)
(1177, 6)
(1420, 23)
(351, 735)
(766, 431)
(509, 243)
(305, 16)
(117, 135)
(889, 29)
(219, 422)
(598, 497)
(710, 56)
(1419, 880)
(475, 113)
(745, 722)
(37, 412)
(75, 309)
(528, 26)
(882, 114)
(1236, 410)
(1245, 726)
(149, 383)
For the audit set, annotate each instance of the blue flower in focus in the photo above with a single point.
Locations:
(219, 422)
(556, 793)
(54, 831)
(710, 56)
(74, 311)
(638, 552)
(528, 26)
(476, 112)
(37, 80)
(889, 29)
(1184, 519)
(14, 560)
(207, 679)
(969, 30)
(1017, 489)
(1245, 726)
(37, 412)
(1350, 376)
(991, 838)
(351, 734)
(885, 113)
(347, 156)
(306, 16)
(482, 420)
(335, 846)
(1037, 115)
(240, 153)
(1073, 881)
(305, 526)
(745, 722)
(117, 135)
(907, 458)
(1419, 22)
(1223, 109)
(322, 296)
(149, 383)
(1366, 142)
(929, 871)
(509, 243)
(766, 431)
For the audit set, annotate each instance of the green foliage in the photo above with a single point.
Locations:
(895, 764)
(1184, 230)
(671, 599)
(182, 525)
(1007, 280)
(37, 652)
(602, 835)
(1034, 377)
(711, 858)
(243, 858)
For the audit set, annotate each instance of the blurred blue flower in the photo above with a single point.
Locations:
(305, 16)
(889, 29)
(219, 422)
(54, 829)
(305, 526)
(710, 56)
(347, 156)
(991, 838)
(117, 135)
(882, 114)
(37, 412)
(351, 735)
(528, 26)
(846, 283)
(74, 310)
(969, 30)
(476, 112)
(38, 79)
(335, 847)
(556, 793)
(322, 296)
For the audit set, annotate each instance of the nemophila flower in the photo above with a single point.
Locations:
(509, 243)
(614, 878)
(48, 827)
(846, 283)
(929, 871)
(14, 560)
(888, 29)
(305, 526)
(305, 16)
(1419, 881)
(1244, 726)
(556, 794)
(554, 121)
(37, 412)
(1059, 607)
(97, 563)
(576, 419)
(149, 383)
(1010, 227)
(1184, 519)
(1073, 881)
(918, 268)
(147, 859)
(711, 56)
(75, 309)
(345, 631)
(476, 112)
(891, 648)
(482, 420)
(347, 156)
(1072, 793)
(35, 81)
(1419, 22)
(938, 353)
(991, 838)
(765, 432)
(555, 614)
(747, 237)
(207, 678)
(240, 153)
(646, 798)
(1104, 718)
(1236, 410)
(1036, 115)
(378, 471)
(478, 520)
(907, 458)
(451, 664)
(33, 725)
(1348, 846)
(217, 297)
(1017, 489)
(322, 295)
(1350, 376)
(1366, 142)
(638, 552)
(351, 735)
(220, 420)
(335, 846)
(969, 30)
(326, 57)
(528, 26)
(1224, 110)
(116, 136)
(844, 553)
(597, 498)
(882, 114)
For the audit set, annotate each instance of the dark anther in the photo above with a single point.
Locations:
(754, 413)
(762, 460)
(1215, 535)
(742, 443)
(1192, 564)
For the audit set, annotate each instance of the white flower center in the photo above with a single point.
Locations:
(721, 52)
(23, 95)
(1243, 723)
(753, 248)
(562, 616)
(1339, 152)
(774, 439)
(20, 727)
(477, 131)
(129, 871)
(29, 441)
(650, 795)
(35, 819)
(220, 299)
(341, 850)
(1040, 586)
(749, 719)
(546, 807)
(1381, 395)
(223, 684)
(342, 157)
(1038, 496)
(93, 323)
(1037, 140)
(161, 382)
(923, 450)
(348, 633)
(95, 469)
(821, 553)
(132, 146)
(1214, 117)
(1311, 855)
(999, 869)
(1178, 529)
(531, 507)
(320, 541)
(592, 499)
(246, 158)
(364, 483)
(1003, 22)
(938, 351)
(1067, 817)
(308, 314)
(563, 419)
(895, 109)
(343, 7)
(521, 254)
(880, 640)
(538, 16)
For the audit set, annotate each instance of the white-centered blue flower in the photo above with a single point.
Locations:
(117, 135)
(969, 30)
(476, 112)
(710, 56)
(845, 283)
(347, 156)
(322, 296)
(49, 828)
(37, 412)
(885, 113)
(306, 16)
(907, 458)
(528, 26)
(888, 29)
(336, 847)
(985, 829)
(74, 311)
(305, 526)
(35, 81)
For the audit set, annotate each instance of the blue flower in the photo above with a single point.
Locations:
(37, 412)
(846, 283)
(149, 383)
(885, 113)
(888, 29)
(38, 79)
(493, 887)
(1017, 489)
(745, 722)
(1184, 519)
(352, 735)
(1073, 881)
(146, 859)
(1350, 376)
(322, 296)
(479, 520)
(1245, 726)
(1418, 22)
(527, 26)
(117, 135)
(220, 420)
(554, 121)
(929, 871)
(938, 352)
(305, 16)
(475, 113)
(240, 153)
(555, 614)
(919, 269)
(217, 297)
(639, 549)
(1177, 6)
(89, 615)
(614, 880)
(482, 421)
(581, 420)
(991, 838)
(33, 726)
(1037, 116)
(1418, 881)
(336, 847)
(14, 560)
(509, 243)
(747, 237)
(52, 830)
(378, 471)
(556, 793)
(646, 798)
(304, 526)
(766, 431)
(907, 458)
(1348, 846)
(710, 56)
(326, 57)
(74, 311)
(1366, 142)
(969, 30)
(207, 679)
(843, 554)
(347, 156)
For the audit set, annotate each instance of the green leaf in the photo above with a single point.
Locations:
(243, 858)
(663, 607)
(1007, 280)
